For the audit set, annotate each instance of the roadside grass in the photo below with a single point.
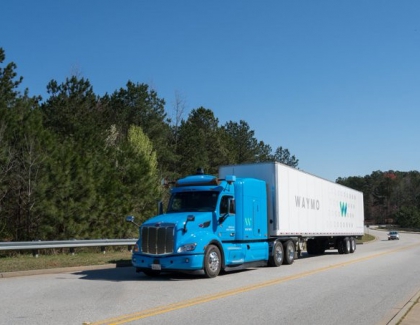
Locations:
(49, 259)
(365, 238)
(58, 259)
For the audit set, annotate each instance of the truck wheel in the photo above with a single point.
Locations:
(289, 252)
(352, 244)
(212, 261)
(346, 245)
(277, 256)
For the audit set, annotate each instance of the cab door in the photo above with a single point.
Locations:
(234, 251)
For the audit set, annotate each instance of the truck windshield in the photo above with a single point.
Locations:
(193, 201)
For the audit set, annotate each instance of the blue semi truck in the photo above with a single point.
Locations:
(249, 215)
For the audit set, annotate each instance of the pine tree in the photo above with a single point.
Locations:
(201, 143)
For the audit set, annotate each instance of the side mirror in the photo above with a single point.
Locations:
(189, 218)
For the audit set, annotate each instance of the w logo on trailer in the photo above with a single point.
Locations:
(343, 209)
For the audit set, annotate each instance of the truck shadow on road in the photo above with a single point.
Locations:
(306, 255)
(128, 274)
(125, 273)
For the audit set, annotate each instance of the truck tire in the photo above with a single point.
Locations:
(346, 245)
(352, 244)
(277, 255)
(289, 252)
(212, 261)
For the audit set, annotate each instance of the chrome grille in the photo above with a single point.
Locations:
(157, 240)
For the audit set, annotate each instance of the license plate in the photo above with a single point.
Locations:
(156, 267)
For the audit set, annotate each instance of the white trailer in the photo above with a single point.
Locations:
(310, 209)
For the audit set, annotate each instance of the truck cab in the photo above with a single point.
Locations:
(210, 224)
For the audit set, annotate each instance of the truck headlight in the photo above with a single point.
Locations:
(186, 248)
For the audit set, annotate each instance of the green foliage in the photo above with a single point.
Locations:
(143, 174)
(73, 111)
(143, 147)
(283, 156)
(408, 217)
(23, 140)
(137, 105)
(243, 147)
(200, 143)
(8, 82)
(242, 144)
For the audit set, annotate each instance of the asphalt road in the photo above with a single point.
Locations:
(367, 287)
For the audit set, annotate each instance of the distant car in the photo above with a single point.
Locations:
(393, 235)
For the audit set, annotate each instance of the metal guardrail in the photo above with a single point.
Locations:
(72, 244)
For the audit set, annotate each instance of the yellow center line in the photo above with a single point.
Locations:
(200, 300)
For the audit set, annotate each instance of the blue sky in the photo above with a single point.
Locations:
(335, 82)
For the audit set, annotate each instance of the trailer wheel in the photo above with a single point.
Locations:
(346, 245)
(289, 252)
(352, 244)
(277, 256)
(212, 261)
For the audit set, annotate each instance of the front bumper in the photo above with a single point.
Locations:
(185, 262)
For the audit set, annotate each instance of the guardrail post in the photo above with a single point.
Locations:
(35, 253)
(103, 249)
(72, 250)
(130, 248)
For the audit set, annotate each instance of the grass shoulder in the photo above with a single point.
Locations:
(51, 260)
(365, 238)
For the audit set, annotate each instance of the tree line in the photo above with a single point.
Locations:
(74, 164)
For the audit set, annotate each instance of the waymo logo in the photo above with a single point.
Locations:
(343, 209)
(306, 203)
